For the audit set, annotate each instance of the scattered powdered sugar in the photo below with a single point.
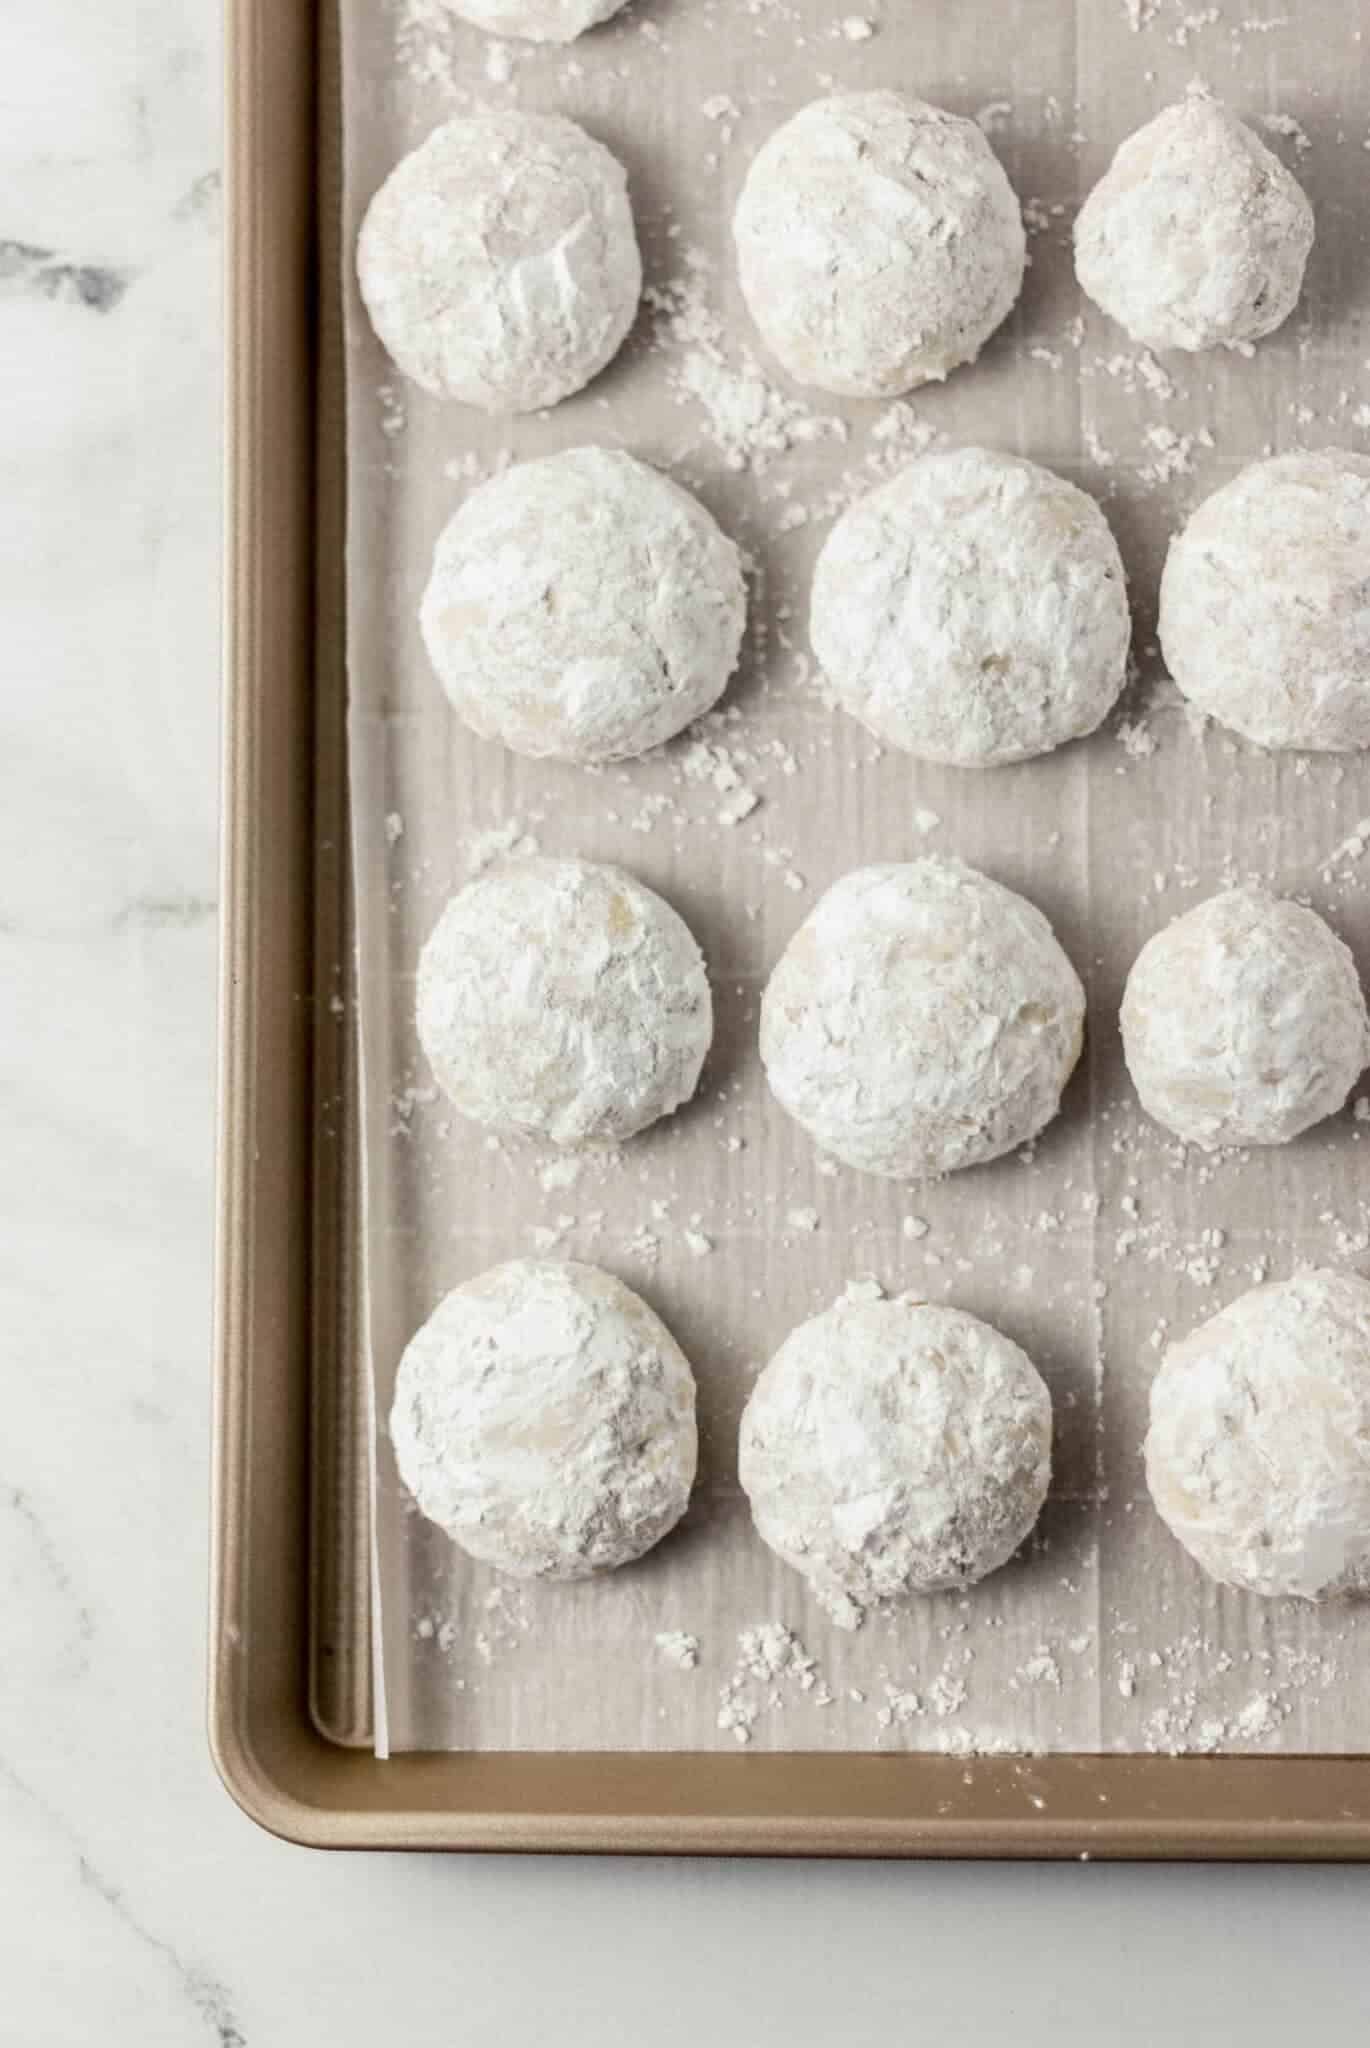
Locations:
(1191, 1675)
(677, 1647)
(898, 434)
(738, 807)
(1182, 22)
(1289, 130)
(403, 1103)
(562, 1173)
(643, 1244)
(1140, 373)
(545, 1237)
(427, 47)
(947, 1695)
(1041, 1668)
(709, 760)
(1192, 22)
(748, 420)
(394, 411)
(497, 842)
(1340, 863)
(1136, 738)
(773, 1666)
(430, 1628)
(503, 1625)
(1173, 453)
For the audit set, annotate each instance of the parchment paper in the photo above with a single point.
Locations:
(1102, 1634)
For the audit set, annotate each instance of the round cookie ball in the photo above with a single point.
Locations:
(892, 1448)
(1243, 1022)
(879, 243)
(1196, 235)
(562, 1000)
(1265, 618)
(499, 263)
(535, 21)
(973, 610)
(1257, 1456)
(545, 1419)
(922, 1018)
(583, 608)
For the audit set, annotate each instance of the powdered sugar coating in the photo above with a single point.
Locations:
(1196, 235)
(893, 1448)
(1244, 1022)
(1265, 603)
(583, 607)
(535, 21)
(879, 243)
(545, 1418)
(922, 1018)
(499, 263)
(562, 1000)
(973, 610)
(1258, 1454)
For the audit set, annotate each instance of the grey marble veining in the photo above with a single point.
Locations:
(137, 1908)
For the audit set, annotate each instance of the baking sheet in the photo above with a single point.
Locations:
(1101, 1635)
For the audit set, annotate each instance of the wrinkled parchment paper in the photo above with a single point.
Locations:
(1102, 1634)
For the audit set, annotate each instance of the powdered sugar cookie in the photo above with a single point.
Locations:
(973, 610)
(879, 243)
(893, 1448)
(545, 1419)
(583, 607)
(1265, 622)
(499, 262)
(1243, 1021)
(1196, 235)
(1257, 1455)
(922, 1018)
(535, 21)
(562, 1000)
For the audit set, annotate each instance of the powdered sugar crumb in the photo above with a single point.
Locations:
(749, 421)
(772, 1662)
(678, 1647)
(1289, 130)
(497, 841)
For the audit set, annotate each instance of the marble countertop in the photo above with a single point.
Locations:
(139, 1907)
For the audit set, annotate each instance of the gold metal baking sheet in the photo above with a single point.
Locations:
(291, 1620)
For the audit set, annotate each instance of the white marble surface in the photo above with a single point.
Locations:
(136, 1905)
